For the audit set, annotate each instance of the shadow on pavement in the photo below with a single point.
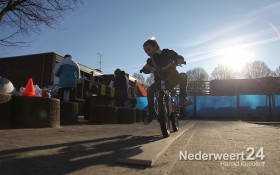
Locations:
(70, 157)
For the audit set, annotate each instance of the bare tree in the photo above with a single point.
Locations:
(223, 72)
(150, 80)
(256, 69)
(197, 74)
(197, 78)
(277, 72)
(140, 77)
(26, 16)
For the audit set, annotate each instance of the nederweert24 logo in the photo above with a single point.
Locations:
(251, 154)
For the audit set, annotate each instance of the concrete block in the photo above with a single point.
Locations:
(138, 115)
(68, 113)
(126, 115)
(103, 115)
(5, 110)
(35, 112)
(144, 114)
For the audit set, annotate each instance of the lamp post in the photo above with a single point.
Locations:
(100, 56)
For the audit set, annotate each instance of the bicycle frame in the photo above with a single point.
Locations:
(167, 97)
(166, 110)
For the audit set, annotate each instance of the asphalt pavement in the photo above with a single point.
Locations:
(204, 147)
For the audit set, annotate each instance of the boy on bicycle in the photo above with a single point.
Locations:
(159, 59)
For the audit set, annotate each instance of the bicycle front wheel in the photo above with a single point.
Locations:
(174, 118)
(163, 115)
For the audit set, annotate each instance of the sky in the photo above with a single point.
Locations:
(205, 32)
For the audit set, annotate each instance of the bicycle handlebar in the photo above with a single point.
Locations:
(169, 65)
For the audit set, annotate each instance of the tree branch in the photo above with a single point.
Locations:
(25, 16)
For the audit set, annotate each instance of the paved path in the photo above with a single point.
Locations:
(95, 149)
(148, 153)
(223, 137)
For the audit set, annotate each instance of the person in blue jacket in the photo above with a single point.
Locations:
(68, 72)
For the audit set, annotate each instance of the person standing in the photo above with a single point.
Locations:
(68, 72)
(121, 86)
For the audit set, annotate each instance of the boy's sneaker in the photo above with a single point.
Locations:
(150, 117)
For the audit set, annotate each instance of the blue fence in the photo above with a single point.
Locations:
(218, 106)
(248, 107)
(276, 110)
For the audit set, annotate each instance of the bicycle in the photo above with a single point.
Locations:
(167, 113)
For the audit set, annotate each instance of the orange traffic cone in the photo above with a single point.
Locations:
(29, 89)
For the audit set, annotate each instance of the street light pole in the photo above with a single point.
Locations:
(100, 56)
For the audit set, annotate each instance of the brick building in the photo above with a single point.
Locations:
(40, 67)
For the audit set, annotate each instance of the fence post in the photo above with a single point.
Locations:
(238, 106)
(194, 106)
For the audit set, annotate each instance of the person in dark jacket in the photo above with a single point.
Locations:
(121, 87)
(159, 59)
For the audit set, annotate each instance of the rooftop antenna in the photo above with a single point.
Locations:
(100, 56)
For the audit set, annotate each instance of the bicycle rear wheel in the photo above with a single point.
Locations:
(163, 115)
